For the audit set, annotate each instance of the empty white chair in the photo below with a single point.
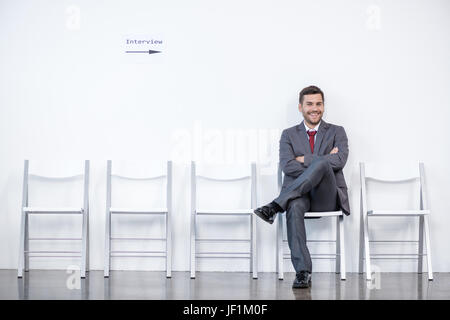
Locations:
(423, 213)
(197, 212)
(27, 210)
(166, 211)
(339, 256)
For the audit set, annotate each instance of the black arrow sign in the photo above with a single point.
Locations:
(146, 51)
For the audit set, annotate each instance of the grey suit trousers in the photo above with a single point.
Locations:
(314, 190)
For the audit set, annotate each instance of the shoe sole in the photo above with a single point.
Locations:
(302, 286)
(263, 217)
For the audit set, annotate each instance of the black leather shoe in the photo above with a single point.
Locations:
(268, 212)
(302, 280)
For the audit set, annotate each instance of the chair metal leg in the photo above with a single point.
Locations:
(251, 244)
(254, 260)
(23, 222)
(253, 222)
(85, 225)
(20, 266)
(361, 246)
(193, 237)
(280, 246)
(342, 248)
(27, 243)
(169, 221)
(87, 241)
(193, 216)
(107, 244)
(367, 248)
(168, 246)
(428, 245)
(420, 251)
(107, 257)
(338, 246)
(84, 245)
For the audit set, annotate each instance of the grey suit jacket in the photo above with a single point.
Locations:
(294, 142)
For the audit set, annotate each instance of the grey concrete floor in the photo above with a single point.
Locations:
(57, 284)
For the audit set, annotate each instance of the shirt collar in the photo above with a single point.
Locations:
(316, 128)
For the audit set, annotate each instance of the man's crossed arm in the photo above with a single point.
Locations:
(295, 165)
(301, 159)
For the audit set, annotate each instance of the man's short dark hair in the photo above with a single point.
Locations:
(310, 90)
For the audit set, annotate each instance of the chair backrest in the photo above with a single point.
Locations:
(197, 174)
(27, 176)
(418, 176)
(167, 176)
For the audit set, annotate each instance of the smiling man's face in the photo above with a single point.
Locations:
(312, 109)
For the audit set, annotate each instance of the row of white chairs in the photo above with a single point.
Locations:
(339, 255)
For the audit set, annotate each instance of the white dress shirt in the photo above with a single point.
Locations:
(316, 128)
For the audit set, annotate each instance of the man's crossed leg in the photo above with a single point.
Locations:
(314, 190)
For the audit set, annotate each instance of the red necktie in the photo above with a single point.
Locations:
(311, 134)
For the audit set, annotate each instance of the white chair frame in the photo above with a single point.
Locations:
(424, 230)
(196, 212)
(167, 212)
(339, 256)
(24, 252)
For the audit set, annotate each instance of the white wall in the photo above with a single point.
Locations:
(221, 91)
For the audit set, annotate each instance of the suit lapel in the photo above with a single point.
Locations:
(303, 138)
(320, 134)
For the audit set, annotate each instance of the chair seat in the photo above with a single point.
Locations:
(323, 214)
(398, 213)
(54, 210)
(117, 210)
(224, 211)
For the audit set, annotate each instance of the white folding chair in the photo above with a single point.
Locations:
(339, 256)
(166, 211)
(196, 212)
(423, 213)
(24, 252)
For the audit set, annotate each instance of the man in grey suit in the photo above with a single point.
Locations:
(312, 156)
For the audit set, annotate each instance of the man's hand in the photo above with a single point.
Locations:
(300, 159)
(335, 150)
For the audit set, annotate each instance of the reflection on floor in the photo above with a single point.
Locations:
(57, 284)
